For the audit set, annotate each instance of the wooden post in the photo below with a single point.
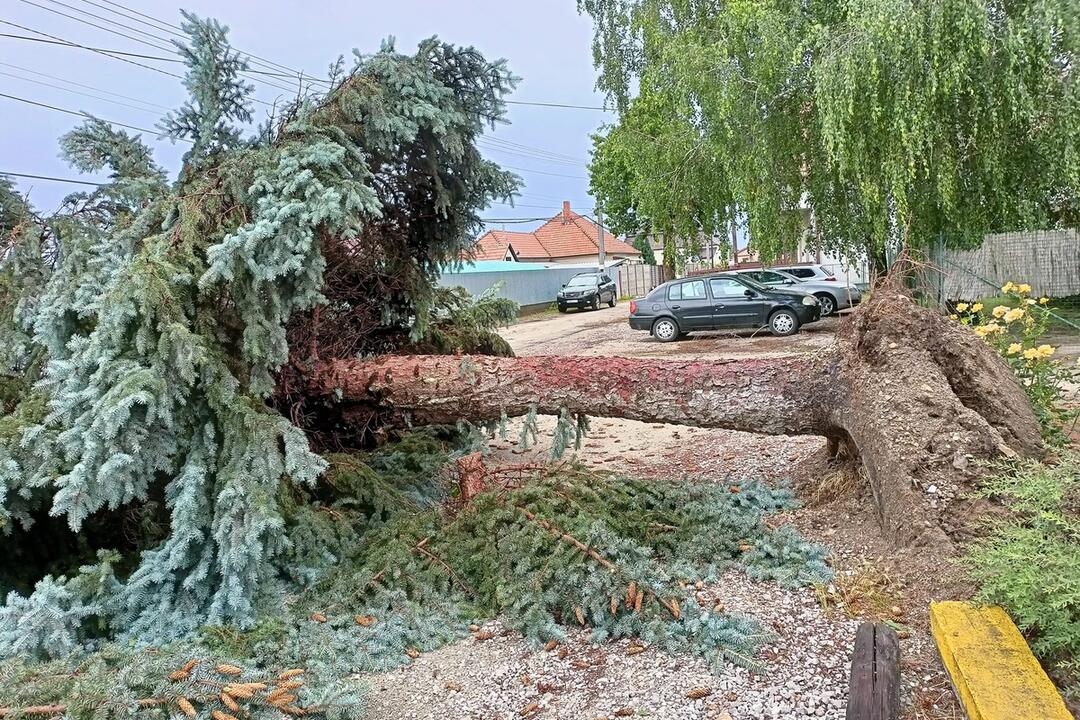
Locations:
(874, 686)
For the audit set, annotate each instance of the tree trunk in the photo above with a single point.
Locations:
(918, 399)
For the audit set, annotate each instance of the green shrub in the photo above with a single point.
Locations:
(1030, 563)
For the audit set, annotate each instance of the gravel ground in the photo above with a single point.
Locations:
(805, 669)
(805, 672)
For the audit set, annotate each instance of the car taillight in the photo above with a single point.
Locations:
(633, 306)
(829, 279)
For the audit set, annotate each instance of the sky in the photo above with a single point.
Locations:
(546, 43)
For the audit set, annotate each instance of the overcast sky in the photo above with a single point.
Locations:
(546, 43)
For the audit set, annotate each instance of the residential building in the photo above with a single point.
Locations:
(567, 238)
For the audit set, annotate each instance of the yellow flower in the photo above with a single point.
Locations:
(989, 328)
(1014, 314)
(1031, 354)
(1023, 288)
(1007, 287)
(1045, 350)
(976, 307)
(1044, 300)
(961, 307)
(1015, 348)
(953, 317)
(1029, 301)
(1000, 310)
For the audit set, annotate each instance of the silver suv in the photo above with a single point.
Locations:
(831, 294)
(808, 272)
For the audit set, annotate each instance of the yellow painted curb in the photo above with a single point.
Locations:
(992, 668)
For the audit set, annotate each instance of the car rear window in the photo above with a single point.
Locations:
(693, 290)
(799, 272)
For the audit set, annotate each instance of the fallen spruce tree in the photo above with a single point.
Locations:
(913, 398)
(185, 474)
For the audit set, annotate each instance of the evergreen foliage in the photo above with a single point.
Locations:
(892, 121)
(159, 327)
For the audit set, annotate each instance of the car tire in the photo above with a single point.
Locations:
(611, 302)
(665, 330)
(562, 308)
(596, 302)
(783, 323)
(828, 304)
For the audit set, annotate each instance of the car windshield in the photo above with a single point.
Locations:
(582, 281)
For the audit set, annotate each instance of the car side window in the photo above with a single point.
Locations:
(765, 276)
(726, 288)
(801, 272)
(693, 290)
(605, 279)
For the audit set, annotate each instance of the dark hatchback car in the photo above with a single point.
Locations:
(718, 302)
(587, 290)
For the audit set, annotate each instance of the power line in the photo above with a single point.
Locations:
(176, 30)
(49, 177)
(533, 148)
(558, 105)
(541, 172)
(85, 116)
(130, 37)
(76, 92)
(485, 142)
(88, 87)
(114, 54)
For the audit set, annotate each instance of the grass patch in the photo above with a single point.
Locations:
(865, 590)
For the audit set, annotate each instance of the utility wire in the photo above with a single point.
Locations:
(101, 51)
(78, 92)
(88, 87)
(131, 37)
(86, 116)
(51, 178)
(524, 147)
(176, 30)
(541, 172)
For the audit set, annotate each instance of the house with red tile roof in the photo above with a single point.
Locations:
(565, 238)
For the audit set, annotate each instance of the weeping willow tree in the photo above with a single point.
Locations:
(885, 121)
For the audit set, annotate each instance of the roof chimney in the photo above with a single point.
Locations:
(566, 210)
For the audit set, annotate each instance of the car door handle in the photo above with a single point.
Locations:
(718, 307)
(676, 307)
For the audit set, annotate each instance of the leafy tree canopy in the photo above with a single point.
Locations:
(892, 121)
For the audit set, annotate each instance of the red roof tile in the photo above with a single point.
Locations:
(565, 235)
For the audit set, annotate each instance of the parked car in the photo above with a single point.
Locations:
(587, 290)
(833, 295)
(721, 301)
(809, 271)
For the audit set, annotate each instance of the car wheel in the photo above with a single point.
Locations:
(828, 304)
(783, 322)
(562, 308)
(665, 330)
(596, 302)
(611, 301)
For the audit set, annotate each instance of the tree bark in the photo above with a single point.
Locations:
(918, 399)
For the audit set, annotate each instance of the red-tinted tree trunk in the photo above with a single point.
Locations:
(919, 400)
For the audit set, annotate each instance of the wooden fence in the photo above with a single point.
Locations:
(1049, 261)
(636, 280)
